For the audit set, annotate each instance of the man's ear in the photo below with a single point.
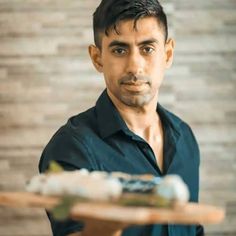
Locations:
(95, 55)
(169, 48)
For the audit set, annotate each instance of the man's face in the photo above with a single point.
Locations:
(133, 62)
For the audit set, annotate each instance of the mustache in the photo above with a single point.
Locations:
(132, 79)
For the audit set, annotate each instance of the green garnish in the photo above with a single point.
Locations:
(54, 167)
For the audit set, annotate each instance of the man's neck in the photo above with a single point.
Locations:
(143, 121)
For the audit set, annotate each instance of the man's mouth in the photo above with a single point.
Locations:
(132, 80)
(135, 87)
(136, 83)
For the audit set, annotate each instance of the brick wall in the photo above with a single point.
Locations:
(46, 76)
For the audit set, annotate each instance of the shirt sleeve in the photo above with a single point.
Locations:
(68, 150)
(71, 153)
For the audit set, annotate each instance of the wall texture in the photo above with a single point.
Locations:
(46, 76)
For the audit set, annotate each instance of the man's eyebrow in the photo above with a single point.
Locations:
(118, 43)
(149, 41)
(124, 44)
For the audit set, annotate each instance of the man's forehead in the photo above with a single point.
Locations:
(144, 29)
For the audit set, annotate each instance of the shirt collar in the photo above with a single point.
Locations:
(110, 121)
(170, 121)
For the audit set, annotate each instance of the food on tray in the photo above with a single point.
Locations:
(117, 187)
(80, 183)
(173, 187)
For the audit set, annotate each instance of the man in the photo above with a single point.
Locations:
(128, 130)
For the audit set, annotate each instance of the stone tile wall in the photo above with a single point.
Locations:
(46, 76)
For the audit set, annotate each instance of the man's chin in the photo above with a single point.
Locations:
(136, 101)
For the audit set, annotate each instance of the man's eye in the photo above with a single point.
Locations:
(119, 51)
(148, 50)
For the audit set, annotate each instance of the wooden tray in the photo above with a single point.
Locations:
(98, 215)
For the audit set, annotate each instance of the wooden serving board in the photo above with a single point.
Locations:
(119, 217)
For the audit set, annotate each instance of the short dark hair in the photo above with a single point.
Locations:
(111, 12)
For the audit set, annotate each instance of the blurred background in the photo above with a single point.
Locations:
(46, 76)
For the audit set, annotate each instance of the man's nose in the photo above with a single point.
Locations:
(135, 64)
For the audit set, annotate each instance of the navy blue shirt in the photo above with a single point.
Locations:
(99, 139)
